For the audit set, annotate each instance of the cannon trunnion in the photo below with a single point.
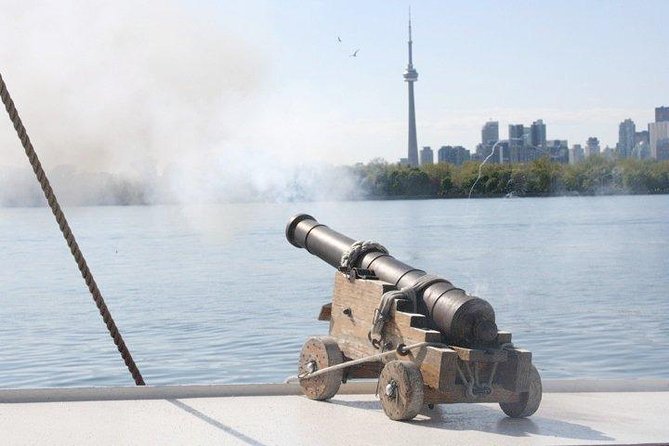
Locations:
(444, 347)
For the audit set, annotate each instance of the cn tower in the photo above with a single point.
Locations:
(411, 76)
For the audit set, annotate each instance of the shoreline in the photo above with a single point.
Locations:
(348, 200)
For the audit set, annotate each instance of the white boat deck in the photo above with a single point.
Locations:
(572, 412)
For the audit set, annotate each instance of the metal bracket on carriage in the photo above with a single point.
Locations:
(358, 273)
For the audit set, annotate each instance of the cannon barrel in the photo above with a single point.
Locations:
(461, 318)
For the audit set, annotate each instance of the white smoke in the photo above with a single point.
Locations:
(141, 102)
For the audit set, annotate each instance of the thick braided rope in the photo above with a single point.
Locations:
(356, 251)
(67, 233)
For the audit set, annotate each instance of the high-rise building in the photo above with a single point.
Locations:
(659, 140)
(642, 136)
(516, 143)
(658, 134)
(490, 133)
(576, 154)
(527, 136)
(411, 76)
(592, 147)
(426, 156)
(661, 114)
(454, 155)
(558, 150)
(641, 150)
(538, 133)
(626, 135)
(516, 132)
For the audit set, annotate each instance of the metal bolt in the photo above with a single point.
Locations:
(311, 366)
(391, 389)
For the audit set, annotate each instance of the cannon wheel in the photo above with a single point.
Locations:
(529, 401)
(401, 390)
(318, 353)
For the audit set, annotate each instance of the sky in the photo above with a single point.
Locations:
(269, 82)
(581, 66)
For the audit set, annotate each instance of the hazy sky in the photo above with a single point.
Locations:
(582, 66)
(269, 78)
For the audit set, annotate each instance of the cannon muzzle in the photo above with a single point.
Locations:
(461, 318)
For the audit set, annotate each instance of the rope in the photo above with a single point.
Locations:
(402, 350)
(356, 251)
(67, 233)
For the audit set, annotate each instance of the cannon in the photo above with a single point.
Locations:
(427, 341)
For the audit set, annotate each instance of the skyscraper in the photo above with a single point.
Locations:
(454, 155)
(659, 140)
(592, 147)
(411, 76)
(426, 156)
(516, 143)
(626, 132)
(576, 154)
(538, 132)
(659, 134)
(490, 133)
(661, 114)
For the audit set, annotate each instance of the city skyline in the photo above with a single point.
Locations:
(570, 66)
(276, 80)
(527, 143)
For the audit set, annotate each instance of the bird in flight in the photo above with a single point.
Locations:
(338, 39)
(355, 54)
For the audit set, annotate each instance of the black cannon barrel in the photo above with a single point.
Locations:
(462, 318)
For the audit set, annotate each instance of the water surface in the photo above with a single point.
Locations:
(215, 294)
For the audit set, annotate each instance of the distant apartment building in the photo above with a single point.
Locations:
(641, 150)
(516, 144)
(453, 155)
(426, 156)
(484, 151)
(592, 147)
(626, 138)
(658, 134)
(661, 114)
(642, 136)
(527, 136)
(490, 133)
(576, 154)
(538, 133)
(558, 150)
(659, 140)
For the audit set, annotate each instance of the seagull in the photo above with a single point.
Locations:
(355, 54)
(338, 39)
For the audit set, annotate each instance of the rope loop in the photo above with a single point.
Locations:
(356, 251)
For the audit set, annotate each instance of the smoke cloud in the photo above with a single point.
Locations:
(133, 102)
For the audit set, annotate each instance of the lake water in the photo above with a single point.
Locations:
(215, 294)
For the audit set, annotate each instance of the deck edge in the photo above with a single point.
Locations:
(44, 395)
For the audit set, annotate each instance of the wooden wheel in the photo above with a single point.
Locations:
(318, 353)
(401, 390)
(529, 401)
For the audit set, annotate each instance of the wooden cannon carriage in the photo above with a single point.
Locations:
(427, 341)
(432, 373)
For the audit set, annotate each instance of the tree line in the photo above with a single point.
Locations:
(542, 177)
